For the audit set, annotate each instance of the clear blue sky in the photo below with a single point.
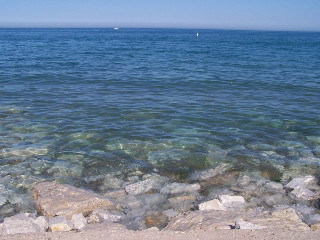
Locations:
(216, 14)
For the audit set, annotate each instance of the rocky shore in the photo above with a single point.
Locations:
(156, 202)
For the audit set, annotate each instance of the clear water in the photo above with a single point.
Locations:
(79, 103)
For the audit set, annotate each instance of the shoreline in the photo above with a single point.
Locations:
(116, 232)
(154, 203)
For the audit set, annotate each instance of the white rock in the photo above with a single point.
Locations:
(241, 224)
(79, 221)
(179, 188)
(232, 201)
(304, 193)
(60, 224)
(301, 182)
(107, 215)
(20, 224)
(214, 204)
(42, 223)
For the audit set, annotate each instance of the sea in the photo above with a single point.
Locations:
(80, 104)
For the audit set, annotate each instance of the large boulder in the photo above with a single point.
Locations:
(211, 220)
(55, 199)
(201, 220)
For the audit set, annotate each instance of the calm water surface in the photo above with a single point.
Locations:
(79, 103)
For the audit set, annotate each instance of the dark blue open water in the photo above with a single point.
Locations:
(77, 103)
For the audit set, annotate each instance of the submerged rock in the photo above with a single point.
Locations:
(53, 199)
(116, 194)
(153, 183)
(170, 213)
(111, 182)
(207, 174)
(182, 203)
(157, 219)
(180, 188)
(152, 201)
(63, 168)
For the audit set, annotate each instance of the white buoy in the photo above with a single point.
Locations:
(197, 34)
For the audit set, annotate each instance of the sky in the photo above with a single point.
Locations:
(300, 15)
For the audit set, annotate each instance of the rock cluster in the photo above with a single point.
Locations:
(152, 201)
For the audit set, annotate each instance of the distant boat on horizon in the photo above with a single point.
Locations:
(116, 28)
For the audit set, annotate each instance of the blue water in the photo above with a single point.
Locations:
(77, 103)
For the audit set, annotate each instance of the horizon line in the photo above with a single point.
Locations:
(147, 27)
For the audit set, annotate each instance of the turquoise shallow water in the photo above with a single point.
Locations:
(79, 103)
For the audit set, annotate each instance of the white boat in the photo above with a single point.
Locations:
(116, 28)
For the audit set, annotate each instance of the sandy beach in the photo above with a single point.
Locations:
(118, 232)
